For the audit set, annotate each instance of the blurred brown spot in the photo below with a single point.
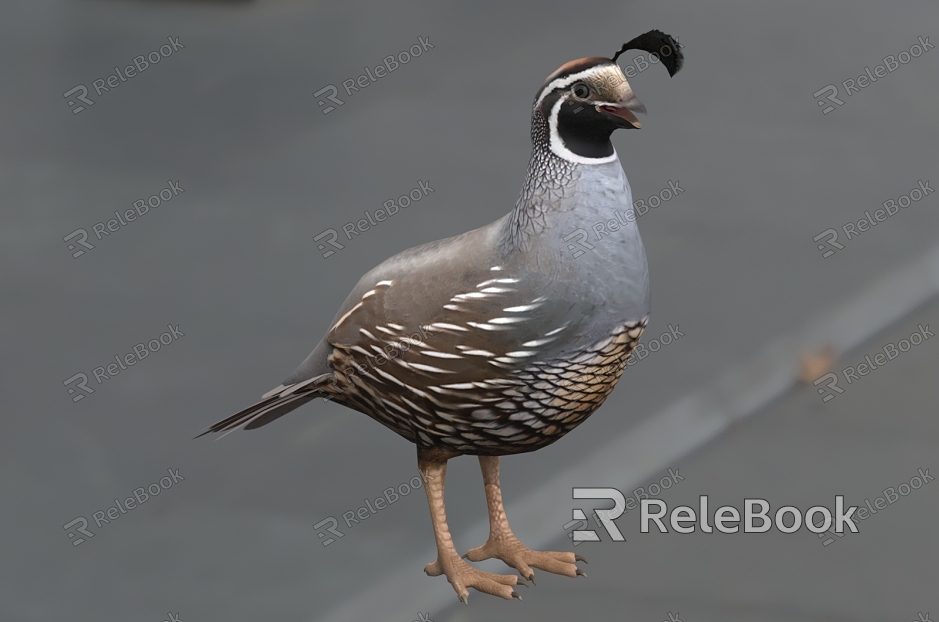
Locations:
(816, 364)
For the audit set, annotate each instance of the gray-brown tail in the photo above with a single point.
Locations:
(275, 403)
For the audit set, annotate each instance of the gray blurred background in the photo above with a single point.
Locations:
(231, 118)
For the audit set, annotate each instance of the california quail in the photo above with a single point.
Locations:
(500, 341)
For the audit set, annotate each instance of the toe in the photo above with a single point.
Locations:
(568, 558)
(495, 588)
(462, 576)
(504, 579)
(478, 554)
(523, 568)
(549, 564)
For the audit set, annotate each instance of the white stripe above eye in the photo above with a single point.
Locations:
(571, 79)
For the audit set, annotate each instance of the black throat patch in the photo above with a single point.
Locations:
(583, 130)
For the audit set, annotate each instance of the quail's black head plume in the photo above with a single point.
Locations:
(503, 339)
(664, 47)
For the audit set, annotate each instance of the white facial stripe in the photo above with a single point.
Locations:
(557, 145)
(571, 79)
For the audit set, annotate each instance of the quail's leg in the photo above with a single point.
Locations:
(502, 543)
(460, 574)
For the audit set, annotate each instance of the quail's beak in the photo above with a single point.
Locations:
(624, 111)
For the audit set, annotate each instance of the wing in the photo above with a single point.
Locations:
(428, 326)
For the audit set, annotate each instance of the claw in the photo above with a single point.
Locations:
(515, 595)
(531, 578)
(522, 581)
(464, 598)
(580, 558)
(464, 555)
(581, 573)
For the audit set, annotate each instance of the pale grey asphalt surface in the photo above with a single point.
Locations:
(798, 451)
(231, 260)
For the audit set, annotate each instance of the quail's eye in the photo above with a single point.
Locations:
(581, 90)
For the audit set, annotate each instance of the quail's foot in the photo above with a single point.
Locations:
(518, 556)
(462, 576)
